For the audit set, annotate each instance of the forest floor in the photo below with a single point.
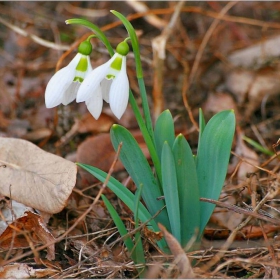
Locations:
(218, 56)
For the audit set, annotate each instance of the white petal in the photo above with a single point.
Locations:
(89, 69)
(94, 103)
(119, 92)
(59, 83)
(92, 81)
(74, 62)
(105, 87)
(71, 93)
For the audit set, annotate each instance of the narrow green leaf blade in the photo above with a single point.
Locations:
(139, 254)
(188, 190)
(257, 146)
(201, 129)
(136, 251)
(140, 171)
(139, 250)
(127, 197)
(201, 122)
(119, 224)
(170, 189)
(164, 131)
(213, 158)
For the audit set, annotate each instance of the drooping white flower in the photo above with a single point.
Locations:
(107, 82)
(64, 85)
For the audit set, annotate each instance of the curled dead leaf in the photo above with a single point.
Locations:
(180, 256)
(20, 226)
(34, 177)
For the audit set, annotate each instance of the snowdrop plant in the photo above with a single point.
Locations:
(177, 176)
(63, 86)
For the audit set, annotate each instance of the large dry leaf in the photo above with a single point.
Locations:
(34, 177)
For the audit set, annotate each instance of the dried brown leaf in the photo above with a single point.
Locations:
(257, 54)
(99, 152)
(34, 177)
(20, 226)
(38, 134)
(89, 124)
(251, 88)
(24, 271)
(251, 158)
(179, 254)
(217, 102)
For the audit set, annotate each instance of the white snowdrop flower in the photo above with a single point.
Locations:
(64, 85)
(107, 82)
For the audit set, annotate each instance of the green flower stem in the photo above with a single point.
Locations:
(146, 108)
(99, 34)
(139, 72)
(149, 142)
(90, 37)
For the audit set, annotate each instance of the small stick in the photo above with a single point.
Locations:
(241, 210)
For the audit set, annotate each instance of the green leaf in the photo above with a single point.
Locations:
(137, 251)
(127, 197)
(201, 127)
(140, 171)
(212, 160)
(257, 146)
(148, 140)
(188, 190)
(119, 224)
(137, 201)
(170, 189)
(164, 131)
(201, 122)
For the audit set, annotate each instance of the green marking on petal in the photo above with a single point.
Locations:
(110, 77)
(117, 63)
(78, 79)
(83, 64)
